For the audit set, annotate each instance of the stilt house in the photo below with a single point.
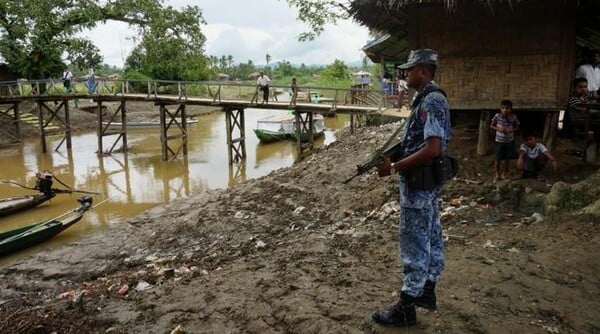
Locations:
(490, 50)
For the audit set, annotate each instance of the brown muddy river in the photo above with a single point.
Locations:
(138, 179)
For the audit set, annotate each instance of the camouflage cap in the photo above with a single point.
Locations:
(420, 56)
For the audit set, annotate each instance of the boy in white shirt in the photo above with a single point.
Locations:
(533, 157)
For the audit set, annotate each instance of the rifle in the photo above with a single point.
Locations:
(394, 153)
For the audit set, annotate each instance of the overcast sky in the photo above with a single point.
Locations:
(248, 30)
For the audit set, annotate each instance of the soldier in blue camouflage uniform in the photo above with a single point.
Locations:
(421, 246)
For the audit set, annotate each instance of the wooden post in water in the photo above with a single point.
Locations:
(123, 108)
(100, 131)
(163, 132)
(298, 122)
(41, 124)
(17, 118)
(236, 147)
(67, 125)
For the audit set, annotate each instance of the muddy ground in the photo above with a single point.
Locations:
(297, 251)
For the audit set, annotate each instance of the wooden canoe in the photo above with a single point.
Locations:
(14, 204)
(21, 238)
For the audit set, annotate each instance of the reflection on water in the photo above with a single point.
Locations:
(138, 179)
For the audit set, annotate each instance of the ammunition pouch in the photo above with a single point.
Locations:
(432, 174)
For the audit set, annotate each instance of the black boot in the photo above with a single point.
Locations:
(402, 314)
(427, 299)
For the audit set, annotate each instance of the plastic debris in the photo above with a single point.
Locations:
(142, 285)
(178, 330)
(123, 290)
(299, 210)
(489, 244)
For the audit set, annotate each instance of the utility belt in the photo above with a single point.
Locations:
(431, 174)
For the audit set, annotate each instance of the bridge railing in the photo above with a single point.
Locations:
(218, 91)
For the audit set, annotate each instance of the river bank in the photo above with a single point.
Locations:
(297, 251)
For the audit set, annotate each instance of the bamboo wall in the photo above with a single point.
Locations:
(526, 54)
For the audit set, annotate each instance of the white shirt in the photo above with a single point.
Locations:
(263, 81)
(591, 74)
(534, 152)
(67, 75)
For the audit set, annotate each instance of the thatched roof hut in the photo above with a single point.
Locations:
(525, 50)
(489, 50)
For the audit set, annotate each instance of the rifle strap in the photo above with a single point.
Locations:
(413, 108)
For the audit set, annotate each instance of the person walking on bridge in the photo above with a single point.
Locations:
(263, 84)
(425, 138)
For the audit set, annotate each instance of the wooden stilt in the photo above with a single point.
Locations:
(484, 131)
(235, 120)
(41, 124)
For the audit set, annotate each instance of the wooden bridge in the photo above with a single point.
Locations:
(171, 98)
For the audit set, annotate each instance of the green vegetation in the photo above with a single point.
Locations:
(36, 34)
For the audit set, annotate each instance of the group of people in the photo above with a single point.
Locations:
(532, 156)
(67, 78)
(425, 139)
(263, 82)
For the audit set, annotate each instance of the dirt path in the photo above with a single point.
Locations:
(298, 252)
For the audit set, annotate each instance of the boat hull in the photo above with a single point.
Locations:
(11, 205)
(24, 237)
(266, 136)
(19, 239)
(283, 127)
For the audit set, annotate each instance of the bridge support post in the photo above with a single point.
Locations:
(15, 116)
(103, 127)
(166, 124)
(304, 132)
(235, 120)
(53, 113)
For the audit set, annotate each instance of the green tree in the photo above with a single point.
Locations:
(284, 69)
(34, 35)
(336, 74)
(171, 47)
(317, 13)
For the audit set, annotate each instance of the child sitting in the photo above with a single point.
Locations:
(533, 157)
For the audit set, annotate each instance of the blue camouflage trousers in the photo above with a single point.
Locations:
(421, 243)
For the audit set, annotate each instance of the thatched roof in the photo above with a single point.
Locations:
(388, 47)
(390, 15)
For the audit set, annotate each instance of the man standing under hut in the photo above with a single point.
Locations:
(421, 245)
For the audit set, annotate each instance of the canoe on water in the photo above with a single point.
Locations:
(14, 204)
(20, 238)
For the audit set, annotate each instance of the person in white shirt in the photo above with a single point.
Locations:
(533, 157)
(263, 84)
(589, 70)
(66, 77)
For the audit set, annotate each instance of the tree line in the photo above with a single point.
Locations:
(38, 39)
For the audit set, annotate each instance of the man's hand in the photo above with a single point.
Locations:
(554, 165)
(385, 167)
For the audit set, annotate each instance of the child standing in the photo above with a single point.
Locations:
(294, 88)
(505, 123)
(533, 157)
(574, 114)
